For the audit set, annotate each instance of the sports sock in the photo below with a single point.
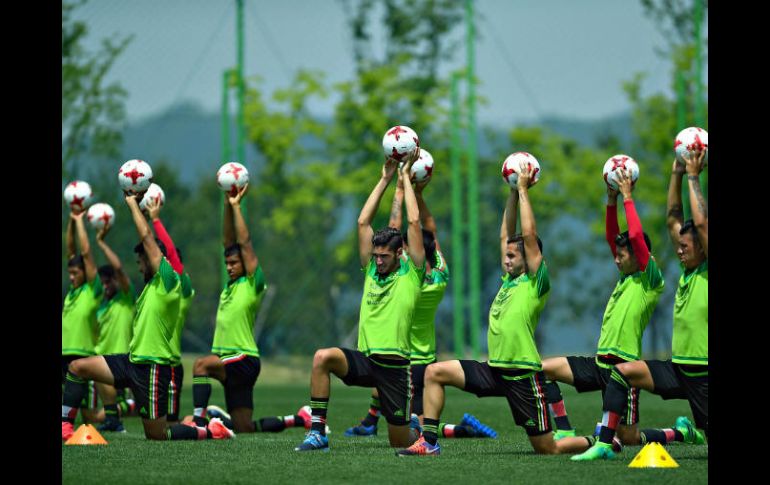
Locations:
(556, 405)
(456, 431)
(270, 424)
(185, 432)
(111, 412)
(615, 402)
(663, 436)
(430, 430)
(74, 390)
(201, 396)
(374, 413)
(318, 406)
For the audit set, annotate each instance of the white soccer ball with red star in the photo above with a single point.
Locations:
(689, 140)
(422, 168)
(512, 166)
(399, 142)
(231, 177)
(616, 162)
(78, 194)
(100, 214)
(153, 192)
(135, 176)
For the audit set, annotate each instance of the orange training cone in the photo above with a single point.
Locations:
(86, 435)
(653, 455)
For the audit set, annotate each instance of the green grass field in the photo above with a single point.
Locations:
(269, 457)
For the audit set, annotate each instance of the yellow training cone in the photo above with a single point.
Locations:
(653, 455)
(86, 435)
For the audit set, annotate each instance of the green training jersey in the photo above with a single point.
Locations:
(387, 309)
(513, 318)
(187, 293)
(157, 310)
(78, 319)
(236, 314)
(423, 335)
(628, 312)
(116, 318)
(690, 337)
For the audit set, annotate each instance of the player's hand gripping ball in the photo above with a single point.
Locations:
(78, 195)
(231, 177)
(511, 167)
(100, 214)
(135, 176)
(689, 140)
(617, 162)
(399, 142)
(422, 168)
(155, 193)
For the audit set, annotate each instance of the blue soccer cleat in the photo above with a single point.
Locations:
(362, 430)
(314, 441)
(482, 430)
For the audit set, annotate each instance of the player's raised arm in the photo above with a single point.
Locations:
(611, 229)
(635, 233)
(153, 209)
(698, 206)
(71, 248)
(228, 233)
(528, 228)
(242, 236)
(398, 200)
(508, 227)
(85, 247)
(674, 209)
(416, 248)
(365, 231)
(154, 255)
(426, 218)
(112, 258)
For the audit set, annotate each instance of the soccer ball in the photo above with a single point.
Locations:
(422, 168)
(231, 177)
(688, 140)
(100, 214)
(511, 166)
(78, 194)
(135, 176)
(399, 142)
(616, 162)
(154, 192)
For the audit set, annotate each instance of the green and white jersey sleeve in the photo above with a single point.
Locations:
(690, 339)
(116, 320)
(157, 310)
(236, 314)
(513, 318)
(629, 311)
(387, 309)
(187, 293)
(423, 334)
(79, 329)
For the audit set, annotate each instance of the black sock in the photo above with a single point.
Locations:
(430, 430)
(556, 405)
(74, 390)
(318, 406)
(660, 436)
(614, 405)
(201, 395)
(456, 431)
(111, 412)
(269, 425)
(374, 413)
(182, 432)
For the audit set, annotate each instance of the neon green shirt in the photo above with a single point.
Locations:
(628, 312)
(513, 318)
(423, 335)
(157, 310)
(186, 296)
(116, 318)
(690, 339)
(78, 319)
(387, 309)
(236, 314)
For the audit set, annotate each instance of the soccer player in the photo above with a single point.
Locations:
(115, 317)
(391, 290)
(423, 334)
(513, 370)
(79, 332)
(627, 314)
(685, 375)
(146, 369)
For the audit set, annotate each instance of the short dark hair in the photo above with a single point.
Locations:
(389, 236)
(139, 248)
(106, 272)
(519, 239)
(233, 249)
(428, 242)
(689, 226)
(622, 241)
(77, 261)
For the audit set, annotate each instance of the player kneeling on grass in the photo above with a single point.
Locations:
(514, 369)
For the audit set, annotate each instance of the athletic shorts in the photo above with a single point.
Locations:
(524, 389)
(148, 382)
(671, 382)
(418, 386)
(175, 392)
(589, 376)
(391, 377)
(91, 398)
(241, 372)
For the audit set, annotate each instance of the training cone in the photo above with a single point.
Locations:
(653, 455)
(86, 435)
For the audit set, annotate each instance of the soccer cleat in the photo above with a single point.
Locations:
(66, 430)
(114, 425)
(482, 430)
(420, 447)
(314, 441)
(599, 451)
(414, 423)
(617, 446)
(691, 435)
(563, 433)
(362, 430)
(218, 430)
(214, 411)
(306, 413)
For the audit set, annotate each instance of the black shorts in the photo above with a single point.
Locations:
(392, 378)
(524, 390)
(148, 382)
(671, 382)
(589, 376)
(241, 372)
(175, 392)
(91, 398)
(418, 386)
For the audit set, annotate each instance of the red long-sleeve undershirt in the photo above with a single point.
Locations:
(173, 256)
(635, 233)
(611, 227)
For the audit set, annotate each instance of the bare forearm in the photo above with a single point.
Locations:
(395, 210)
(228, 238)
(509, 216)
(426, 218)
(241, 231)
(112, 258)
(674, 209)
(527, 216)
(697, 202)
(370, 207)
(142, 228)
(71, 250)
(85, 247)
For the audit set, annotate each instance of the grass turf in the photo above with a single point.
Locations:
(269, 457)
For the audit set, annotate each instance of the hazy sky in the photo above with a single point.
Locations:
(533, 57)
